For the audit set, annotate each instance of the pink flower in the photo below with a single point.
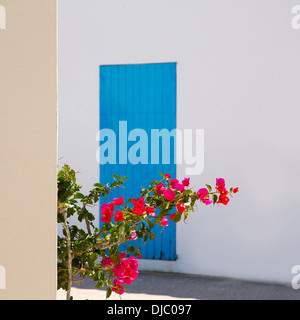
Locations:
(223, 191)
(220, 186)
(126, 272)
(181, 207)
(186, 182)
(122, 256)
(118, 201)
(139, 206)
(235, 190)
(118, 270)
(106, 218)
(168, 176)
(179, 187)
(202, 193)
(132, 263)
(117, 286)
(164, 222)
(220, 183)
(130, 267)
(169, 195)
(133, 236)
(150, 211)
(129, 277)
(138, 211)
(107, 212)
(223, 199)
(160, 189)
(107, 261)
(119, 216)
(139, 203)
(206, 201)
(174, 183)
(107, 208)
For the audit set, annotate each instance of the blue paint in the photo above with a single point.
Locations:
(144, 95)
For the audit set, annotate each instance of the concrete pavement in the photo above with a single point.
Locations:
(170, 286)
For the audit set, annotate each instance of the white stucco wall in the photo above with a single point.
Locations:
(238, 78)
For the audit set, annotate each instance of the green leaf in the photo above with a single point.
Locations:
(79, 195)
(115, 257)
(153, 182)
(91, 216)
(158, 218)
(209, 187)
(108, 292)
(110, 277)
(136, 253)
(215, 198)
(186, 215)
(139, 234)
(130, 249)
(99, 285)
(187, 192)
(152, 236)
(150, 223)
(116, 176)
(99, 185)
(177, 217)
(127, 228)
(162, 175)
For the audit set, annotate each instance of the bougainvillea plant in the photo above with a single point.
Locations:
(95, 252)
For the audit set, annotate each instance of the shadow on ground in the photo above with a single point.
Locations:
(203, 288)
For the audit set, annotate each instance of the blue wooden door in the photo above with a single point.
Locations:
(140, 96)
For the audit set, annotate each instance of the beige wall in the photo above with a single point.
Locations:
(28, 139)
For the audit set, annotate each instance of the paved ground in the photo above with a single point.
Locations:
(168, 286)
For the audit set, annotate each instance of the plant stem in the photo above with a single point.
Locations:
(88, 226)
(68, 238)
